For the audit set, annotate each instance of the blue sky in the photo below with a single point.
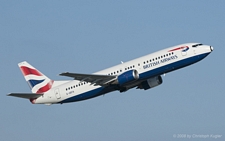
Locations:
(87, 36)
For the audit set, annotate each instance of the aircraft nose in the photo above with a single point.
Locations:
(211, 48)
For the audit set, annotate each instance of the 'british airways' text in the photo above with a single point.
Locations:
(160, 62)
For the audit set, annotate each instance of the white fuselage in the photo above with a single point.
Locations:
(148, 66)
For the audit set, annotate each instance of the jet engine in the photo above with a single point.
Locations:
(150, 83)
(127, 77)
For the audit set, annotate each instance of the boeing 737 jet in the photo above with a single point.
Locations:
(143, 73)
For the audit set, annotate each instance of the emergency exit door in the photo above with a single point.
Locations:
(57, 94)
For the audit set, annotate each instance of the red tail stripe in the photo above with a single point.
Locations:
(45, 88)
(27, 71)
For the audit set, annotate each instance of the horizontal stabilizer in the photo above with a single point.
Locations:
(25, 95)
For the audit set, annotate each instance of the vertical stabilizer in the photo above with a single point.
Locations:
(38, 82)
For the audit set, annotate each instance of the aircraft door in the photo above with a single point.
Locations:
(183, 53)
(184, 50)
(57, 94)
(194, 50)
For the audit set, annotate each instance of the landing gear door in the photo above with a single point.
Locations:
(57, 94)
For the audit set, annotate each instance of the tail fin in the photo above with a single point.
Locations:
(38, 82)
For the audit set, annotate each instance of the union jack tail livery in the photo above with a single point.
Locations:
(38, 82)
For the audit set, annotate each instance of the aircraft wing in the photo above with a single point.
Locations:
(25, 95)
(91, 78)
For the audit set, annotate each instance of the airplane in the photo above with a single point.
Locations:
(143, 73)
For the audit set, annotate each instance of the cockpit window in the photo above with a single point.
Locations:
(196, 45)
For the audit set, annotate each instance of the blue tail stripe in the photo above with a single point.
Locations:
(32, 83)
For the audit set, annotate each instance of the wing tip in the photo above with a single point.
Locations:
(63, 73)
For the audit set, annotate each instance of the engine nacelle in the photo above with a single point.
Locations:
(150, 83)
(127, 77)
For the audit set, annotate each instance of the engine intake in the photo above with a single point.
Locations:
(127, 77)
